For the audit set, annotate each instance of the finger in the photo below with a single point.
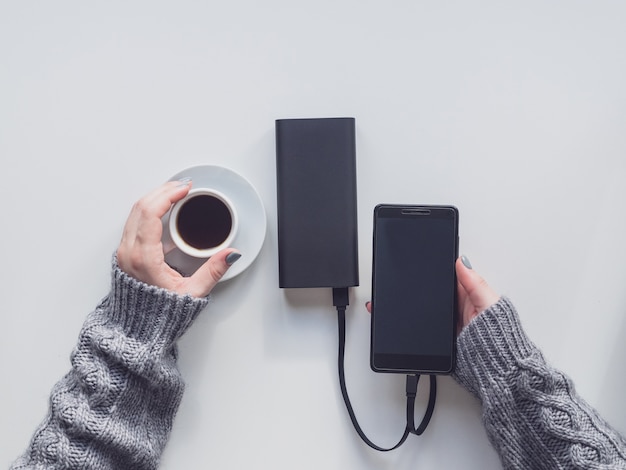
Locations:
(467, 311)
(211, 272)
(476, 289)
(144, 223)
(156, 203)
(159, 201)
(368, 306)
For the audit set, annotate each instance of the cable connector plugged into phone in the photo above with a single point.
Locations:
(411, 385)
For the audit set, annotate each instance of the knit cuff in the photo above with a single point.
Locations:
(148, 313)
(491, 346)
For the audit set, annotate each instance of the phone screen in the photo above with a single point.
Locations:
(414, 288)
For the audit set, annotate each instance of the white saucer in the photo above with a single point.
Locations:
(252, 219)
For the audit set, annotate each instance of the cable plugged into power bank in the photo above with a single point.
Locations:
(318, 230)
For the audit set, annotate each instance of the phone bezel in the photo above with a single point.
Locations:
(414, 363)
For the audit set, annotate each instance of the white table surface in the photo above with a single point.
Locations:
(516, 113)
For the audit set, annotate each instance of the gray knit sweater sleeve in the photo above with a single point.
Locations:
(532, 414)
(115, 407)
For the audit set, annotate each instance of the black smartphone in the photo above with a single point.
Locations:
(414, 294)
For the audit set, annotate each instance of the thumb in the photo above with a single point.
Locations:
(209, 274)
(480, 295)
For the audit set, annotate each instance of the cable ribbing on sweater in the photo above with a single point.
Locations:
(115, 407)
(531, 411)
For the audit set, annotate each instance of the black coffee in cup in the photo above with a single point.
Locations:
(204, 222)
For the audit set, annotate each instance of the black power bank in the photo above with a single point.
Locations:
(317, 210)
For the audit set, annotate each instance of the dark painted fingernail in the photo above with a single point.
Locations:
(466, 262)
(232, 257)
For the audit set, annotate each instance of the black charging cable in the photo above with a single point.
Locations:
(341, 302)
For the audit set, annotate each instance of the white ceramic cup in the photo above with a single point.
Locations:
(203, 223)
